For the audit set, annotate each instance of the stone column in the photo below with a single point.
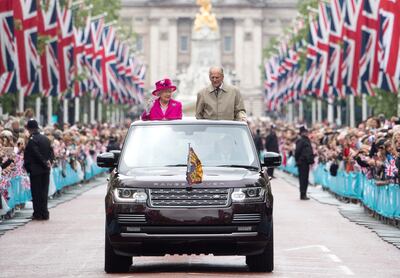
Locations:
(154, 49)
(239, 39)
(172, 46)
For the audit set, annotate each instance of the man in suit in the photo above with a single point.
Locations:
(38, 156)
(304, 157)
(219, 101)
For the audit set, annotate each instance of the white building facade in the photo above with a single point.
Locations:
(164, 30)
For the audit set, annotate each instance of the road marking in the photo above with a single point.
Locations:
(346, 270)
(334, 258)
(322, 247)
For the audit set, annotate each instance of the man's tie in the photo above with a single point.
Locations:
(217, 91)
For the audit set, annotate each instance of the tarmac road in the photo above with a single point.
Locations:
(311, 240)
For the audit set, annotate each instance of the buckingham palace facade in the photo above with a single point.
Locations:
(164, 29)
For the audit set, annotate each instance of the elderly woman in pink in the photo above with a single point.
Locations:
(164, 107)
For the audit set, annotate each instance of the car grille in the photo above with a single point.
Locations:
(131, 218)
(246, 218)
(177, 197)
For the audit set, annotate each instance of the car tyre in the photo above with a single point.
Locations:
(263, 262)
(114, 263)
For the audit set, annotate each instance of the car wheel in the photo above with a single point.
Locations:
(263, 262)
(114, 263)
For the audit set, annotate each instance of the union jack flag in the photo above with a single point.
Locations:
(389, 11)
(66, 48)
(109, 65)
(334, 79)
(80, 82)
(26, 32)
(351, 45)
(7, 48)
(96, 32)
(369, 39)
(50, 68)
(390, 168)
(89, 52)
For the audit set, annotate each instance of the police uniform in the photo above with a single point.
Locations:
(304, 158)
(37, 158)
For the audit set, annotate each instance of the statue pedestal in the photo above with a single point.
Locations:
(205, 53)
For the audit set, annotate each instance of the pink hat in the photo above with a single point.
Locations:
(163, 84)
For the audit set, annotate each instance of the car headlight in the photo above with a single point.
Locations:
(250, 194)
(130, 195)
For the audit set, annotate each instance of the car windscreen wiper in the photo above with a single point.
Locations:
(240, 166)
(176, 165)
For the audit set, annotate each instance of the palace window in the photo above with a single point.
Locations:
(139, 43)
(228, 44)
(183, 44)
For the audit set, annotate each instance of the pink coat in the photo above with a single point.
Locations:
(174, 111)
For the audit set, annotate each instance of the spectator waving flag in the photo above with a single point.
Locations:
(194, 172)
(7, 48)
(390, 168)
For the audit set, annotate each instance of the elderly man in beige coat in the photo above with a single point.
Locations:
(219, 101)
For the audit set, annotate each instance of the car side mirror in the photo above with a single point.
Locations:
(106, 160)
(272, 160)
(117, 154)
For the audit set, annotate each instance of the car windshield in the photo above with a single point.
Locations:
(167, 146)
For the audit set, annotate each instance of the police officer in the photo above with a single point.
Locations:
(304, 157)
(38, 156)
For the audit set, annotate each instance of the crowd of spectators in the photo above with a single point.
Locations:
(372, 148)
(76, 145)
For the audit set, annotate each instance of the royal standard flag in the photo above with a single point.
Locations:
(194, 172)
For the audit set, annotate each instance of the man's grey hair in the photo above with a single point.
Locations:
(220, 69)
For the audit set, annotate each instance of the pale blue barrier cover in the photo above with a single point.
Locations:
(383, 199)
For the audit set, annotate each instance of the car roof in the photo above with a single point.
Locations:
(189, 121)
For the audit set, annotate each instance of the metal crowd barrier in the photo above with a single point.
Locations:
(383, 199)
(18, 188)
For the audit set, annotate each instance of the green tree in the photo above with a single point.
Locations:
(384, 102)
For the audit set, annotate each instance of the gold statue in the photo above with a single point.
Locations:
(205, 17)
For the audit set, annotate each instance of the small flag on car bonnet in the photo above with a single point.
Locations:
(194, 172)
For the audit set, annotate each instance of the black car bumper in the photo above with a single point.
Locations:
(145, 231)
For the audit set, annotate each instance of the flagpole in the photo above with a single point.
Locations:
(77, 110)
(398, 103)
(301, 111)
(319, 104)
(314, 111)
(65, 116)
(99, 111)
(92, 110)
(352, 113)
(364, 107)
(21, 100)
(339, 114)
(38, 105)
(49, 110)
(330, 110)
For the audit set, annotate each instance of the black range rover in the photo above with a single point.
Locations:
(151, 210)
